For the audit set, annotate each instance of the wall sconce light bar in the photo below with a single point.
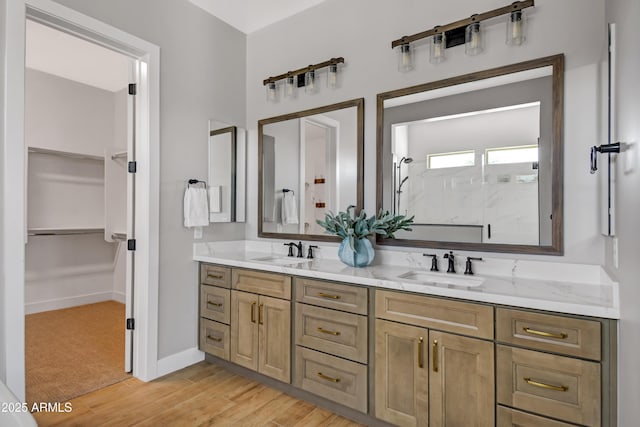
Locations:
(302, 71)
(460, 25)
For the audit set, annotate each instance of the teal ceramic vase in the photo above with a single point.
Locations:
(360, 255)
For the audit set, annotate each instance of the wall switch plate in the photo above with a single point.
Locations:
(615, 252)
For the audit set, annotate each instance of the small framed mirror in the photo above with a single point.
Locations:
(310, 162)
(227, 159)
(477, 159)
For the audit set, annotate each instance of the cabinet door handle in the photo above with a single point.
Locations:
(420, 351)
(547, 386)
(325, 377)
(215, 276)
(253, 312)
(216, 339)
(323, 295)
(324, 331)
(260, 313)
(434, 355)
(560, 336)
(215, 304)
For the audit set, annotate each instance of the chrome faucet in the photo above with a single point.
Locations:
(451, 268)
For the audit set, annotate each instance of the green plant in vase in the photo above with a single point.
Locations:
(356, 249)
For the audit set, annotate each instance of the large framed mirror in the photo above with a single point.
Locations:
(477, 159)
(310, 162)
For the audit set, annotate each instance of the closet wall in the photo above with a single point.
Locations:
(79, 124)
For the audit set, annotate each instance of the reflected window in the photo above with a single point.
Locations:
(451, 160)
(507, 155)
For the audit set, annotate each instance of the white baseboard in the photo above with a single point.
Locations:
(119, 296)
(178, 361)
(59, 303)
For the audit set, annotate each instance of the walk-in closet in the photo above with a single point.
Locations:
(77, 137)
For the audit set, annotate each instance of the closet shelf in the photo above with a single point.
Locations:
(69, 154)
(63, 231)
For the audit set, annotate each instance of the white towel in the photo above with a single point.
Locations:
(215, 199)
(289, 208)
(196, 207)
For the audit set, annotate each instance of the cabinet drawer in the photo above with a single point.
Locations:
(258, 282)
(508, 417)
(215, 303)
(214, 338)
(215, 275)
(451, 316)
(330, 331)
(556, 386)
(570, 336)
(333, 378)
(332, 295)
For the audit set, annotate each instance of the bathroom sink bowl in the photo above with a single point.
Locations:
(281, 260)
(442, 279)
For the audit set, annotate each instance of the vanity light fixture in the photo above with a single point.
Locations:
(306, 77)
(465, 31)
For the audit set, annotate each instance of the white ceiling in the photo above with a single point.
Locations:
(251, 15)
(54, 52)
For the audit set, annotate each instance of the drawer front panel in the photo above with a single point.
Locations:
(215, 303)
(508, 417)
(214, 338)
(333, 378)
(258, 282)
(556, 386)
(215, 275)
(332, 295)
(475, 320)
(565, 335)
(330, 331)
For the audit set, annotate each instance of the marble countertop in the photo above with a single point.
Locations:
(563, 288)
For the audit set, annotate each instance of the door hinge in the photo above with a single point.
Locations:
(133, 167)
(133, 89)
(130, 324)
(131, 244)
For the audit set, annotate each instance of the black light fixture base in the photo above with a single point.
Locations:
(455, 37)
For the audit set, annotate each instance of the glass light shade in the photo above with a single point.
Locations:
(473, 39)
(310, 83)
(290, 87)
(515, 28)
(405, 58)
(272, 92)
(332, 76)
(438, 45)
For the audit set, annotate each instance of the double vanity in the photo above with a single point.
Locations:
(521, 343)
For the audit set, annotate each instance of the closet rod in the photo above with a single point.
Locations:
(63, 231)
(65, 154)
(119, 155)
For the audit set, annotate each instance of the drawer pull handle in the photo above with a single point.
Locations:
(547, 386)
(324, 377)
(324, 331)
(215, 276)
(215, 304)
(434, 355)
(209, 337)
(323, 295)
(260, 313)
(253, 312)
(560, 336)
(420, 351)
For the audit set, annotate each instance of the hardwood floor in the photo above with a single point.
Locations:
(200, 395)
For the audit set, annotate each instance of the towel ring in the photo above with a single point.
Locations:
(195, 182)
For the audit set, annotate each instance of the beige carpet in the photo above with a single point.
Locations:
(73, 351)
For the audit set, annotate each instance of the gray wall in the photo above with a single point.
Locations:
(3, 376)
(370, 68)
(202, 77)
(625, 14)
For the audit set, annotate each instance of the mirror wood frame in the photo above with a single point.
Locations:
(557, 238)
(359, 104)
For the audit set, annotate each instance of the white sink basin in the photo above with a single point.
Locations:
(281, 260)
(442, 279)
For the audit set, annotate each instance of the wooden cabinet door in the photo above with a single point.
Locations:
(274, 319)
(461, 381)
(402, 374)
(244, 329)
